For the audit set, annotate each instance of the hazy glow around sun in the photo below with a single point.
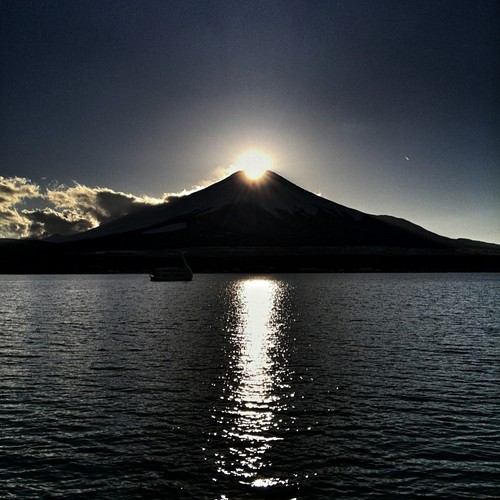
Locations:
(254, 163)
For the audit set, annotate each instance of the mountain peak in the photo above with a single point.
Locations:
(270, 194)
(268, 211)
(242, 178)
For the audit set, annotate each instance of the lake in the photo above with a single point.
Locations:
(231, 386)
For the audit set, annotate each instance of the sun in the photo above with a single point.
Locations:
(254, 163)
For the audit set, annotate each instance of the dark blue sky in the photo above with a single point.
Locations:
(387, 107)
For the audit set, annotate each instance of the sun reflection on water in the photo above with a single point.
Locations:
(257, 383)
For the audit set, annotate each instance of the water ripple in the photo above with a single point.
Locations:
(310, 386)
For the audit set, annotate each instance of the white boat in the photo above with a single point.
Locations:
(173, 273)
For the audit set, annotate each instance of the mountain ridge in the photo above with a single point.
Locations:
(239, 211)
(240, 225)
(235, 189)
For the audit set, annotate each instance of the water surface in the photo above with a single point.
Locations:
(230, 386)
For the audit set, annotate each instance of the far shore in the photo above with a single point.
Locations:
(33, 257)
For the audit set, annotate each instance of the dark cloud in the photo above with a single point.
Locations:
(46, 222)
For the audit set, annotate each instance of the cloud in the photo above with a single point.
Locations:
(97, 205)
(47, 221)
(14, 190)
(12, 224)
(67, 209)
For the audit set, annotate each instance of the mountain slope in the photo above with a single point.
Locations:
(273, 194)
(269, 212)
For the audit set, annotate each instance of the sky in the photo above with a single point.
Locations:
(388, 107)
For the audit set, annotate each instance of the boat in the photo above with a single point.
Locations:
(173, 273)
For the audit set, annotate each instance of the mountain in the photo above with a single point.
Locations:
(269, 212)
(242, 225)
